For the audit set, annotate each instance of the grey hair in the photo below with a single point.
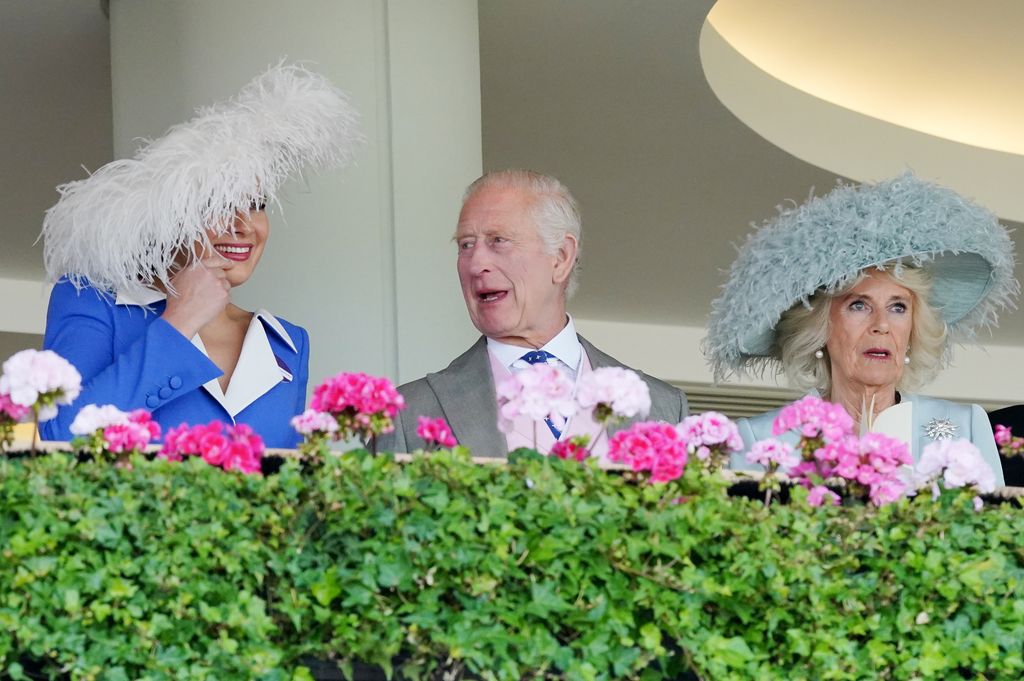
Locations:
(552, 206)
(804, 328)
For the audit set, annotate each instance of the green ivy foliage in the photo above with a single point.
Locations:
(539, 569)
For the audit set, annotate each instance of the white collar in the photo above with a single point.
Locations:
(275, 324)
(565, 346)
(258, 369)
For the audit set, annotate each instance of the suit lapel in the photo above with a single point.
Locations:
(466, 393)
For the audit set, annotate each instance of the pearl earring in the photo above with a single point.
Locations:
(819, 354)
(906, 359)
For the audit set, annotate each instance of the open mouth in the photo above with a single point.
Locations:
(877, 353)
(239, 252)
(491, 296)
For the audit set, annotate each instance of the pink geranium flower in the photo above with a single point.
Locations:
(537, 392)
(613, 393)
(363, 405)
(40, 380)
(820, 495)
(1009, 444)
(711, 437)
(873, 462)
(11, 410)
(311, 422)
(435, 432)
(574, 448)
(233, 448)
(10, 414)
(773, 454)
(650, 446)
(108, 429)
(958, 463)
(813, 417)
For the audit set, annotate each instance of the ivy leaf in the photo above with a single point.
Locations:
(733, 652)
(326, 589)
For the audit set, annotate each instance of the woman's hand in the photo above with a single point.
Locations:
(201, 292)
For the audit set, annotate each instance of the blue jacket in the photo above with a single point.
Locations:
(970, 420)
(131, 358)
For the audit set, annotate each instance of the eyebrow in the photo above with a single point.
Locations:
(898, 298)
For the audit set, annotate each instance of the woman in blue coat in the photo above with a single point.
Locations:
(858, 296)
(146, 252)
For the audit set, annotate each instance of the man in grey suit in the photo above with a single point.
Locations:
(518, 239)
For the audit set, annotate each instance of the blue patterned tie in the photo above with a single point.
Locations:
(542, 357)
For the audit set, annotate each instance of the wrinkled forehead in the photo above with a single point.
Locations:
(495, 210)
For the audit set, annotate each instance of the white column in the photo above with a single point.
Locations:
(361, 257)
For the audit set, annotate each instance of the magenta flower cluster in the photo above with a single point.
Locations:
(435, 432)
(1009, 444)
(651, 446)
(11, 410)
(575, 448)
(108, 429)
(874, 463)
(813, 417)
(233, 448)
(362, 405)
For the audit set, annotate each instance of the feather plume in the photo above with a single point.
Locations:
(826, 242)
(121, 228)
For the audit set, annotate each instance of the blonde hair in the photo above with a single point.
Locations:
(804, 329)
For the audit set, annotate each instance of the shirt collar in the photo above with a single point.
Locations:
(565, 346)
(147, 296)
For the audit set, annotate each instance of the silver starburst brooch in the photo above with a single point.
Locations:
(940, 429)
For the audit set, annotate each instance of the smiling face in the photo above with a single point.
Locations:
(513, 287)
(869, 332)
(242, 246)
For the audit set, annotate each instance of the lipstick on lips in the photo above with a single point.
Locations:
(236, 252)
(878, 353)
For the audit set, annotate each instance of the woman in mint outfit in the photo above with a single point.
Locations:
(858, 296)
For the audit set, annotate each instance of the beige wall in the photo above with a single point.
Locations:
(361, 257)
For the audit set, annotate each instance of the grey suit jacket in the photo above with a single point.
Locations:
(464, 394)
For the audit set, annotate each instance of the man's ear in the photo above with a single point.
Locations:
(565, 259)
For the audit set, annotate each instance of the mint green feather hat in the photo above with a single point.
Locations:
(826, 242)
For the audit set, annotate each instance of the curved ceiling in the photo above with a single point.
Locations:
(868, 89)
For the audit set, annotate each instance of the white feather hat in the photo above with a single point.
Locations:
(826, 242)
(122, 227)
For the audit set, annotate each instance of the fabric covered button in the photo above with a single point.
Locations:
(174, 382)
(164, 393)
(152, 401)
